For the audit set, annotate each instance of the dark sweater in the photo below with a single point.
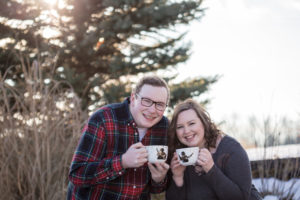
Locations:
(229, 178)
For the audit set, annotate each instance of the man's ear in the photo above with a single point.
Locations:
(132, 97)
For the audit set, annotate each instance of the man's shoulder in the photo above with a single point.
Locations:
(163, 123)
(118, 111)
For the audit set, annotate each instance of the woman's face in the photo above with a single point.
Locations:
(189, 129)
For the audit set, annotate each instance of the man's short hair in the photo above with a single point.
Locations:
(153, 81)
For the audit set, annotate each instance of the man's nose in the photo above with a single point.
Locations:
(152, 108)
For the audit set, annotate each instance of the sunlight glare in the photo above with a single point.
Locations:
(60, 3)
(49, 33)
(51, 2)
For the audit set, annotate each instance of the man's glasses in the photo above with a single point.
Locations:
(148, 103)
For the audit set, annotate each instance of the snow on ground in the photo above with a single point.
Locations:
(271, 197)
(274, 152)
(285, 188)
(291, 186)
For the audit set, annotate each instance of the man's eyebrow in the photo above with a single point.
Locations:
(153, 100)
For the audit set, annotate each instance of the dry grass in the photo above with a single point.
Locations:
(160, 196)
(39, 128)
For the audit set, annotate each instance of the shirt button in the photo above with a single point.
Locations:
(135, 170)
(107, 178)
(120, 173)
(135, 133)
(133, 124)
(134, 186)
(128, 124)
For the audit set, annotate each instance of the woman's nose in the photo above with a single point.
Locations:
(186, 130)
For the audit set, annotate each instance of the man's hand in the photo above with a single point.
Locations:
(158, 171)
(135, 156)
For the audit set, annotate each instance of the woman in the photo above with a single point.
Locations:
(222, 170)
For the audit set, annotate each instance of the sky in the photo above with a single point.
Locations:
(254, 46)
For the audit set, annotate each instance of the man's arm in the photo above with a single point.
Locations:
(89, 165)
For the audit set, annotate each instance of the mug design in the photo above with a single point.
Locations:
(157, 153)
(185, 158)
(161, 155)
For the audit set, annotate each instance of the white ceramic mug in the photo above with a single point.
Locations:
(157, 153)
(188, 156)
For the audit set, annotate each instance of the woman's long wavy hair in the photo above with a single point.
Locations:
(211, 132)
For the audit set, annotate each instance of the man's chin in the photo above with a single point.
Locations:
(148, 124)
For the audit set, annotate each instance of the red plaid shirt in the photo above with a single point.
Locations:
(96, 171)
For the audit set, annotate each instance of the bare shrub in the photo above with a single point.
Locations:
(40, 126)
(275, 165)
(277, 176)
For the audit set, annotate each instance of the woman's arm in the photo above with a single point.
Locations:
(174, 192)
(235, 181)
(176, 189)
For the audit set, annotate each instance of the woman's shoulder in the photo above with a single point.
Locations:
(231, 147)
(229, 143)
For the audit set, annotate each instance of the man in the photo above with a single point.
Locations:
(110, 162)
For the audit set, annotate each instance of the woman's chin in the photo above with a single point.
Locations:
(191, 144)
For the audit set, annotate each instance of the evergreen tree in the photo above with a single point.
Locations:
(100, 46)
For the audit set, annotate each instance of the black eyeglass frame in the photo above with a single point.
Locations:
(149, 102)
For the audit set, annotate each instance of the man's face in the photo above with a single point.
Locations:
(146, 117)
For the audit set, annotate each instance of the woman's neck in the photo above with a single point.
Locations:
(214, 149)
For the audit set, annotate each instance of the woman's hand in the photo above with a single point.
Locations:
(205, 159)
(177, 170)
